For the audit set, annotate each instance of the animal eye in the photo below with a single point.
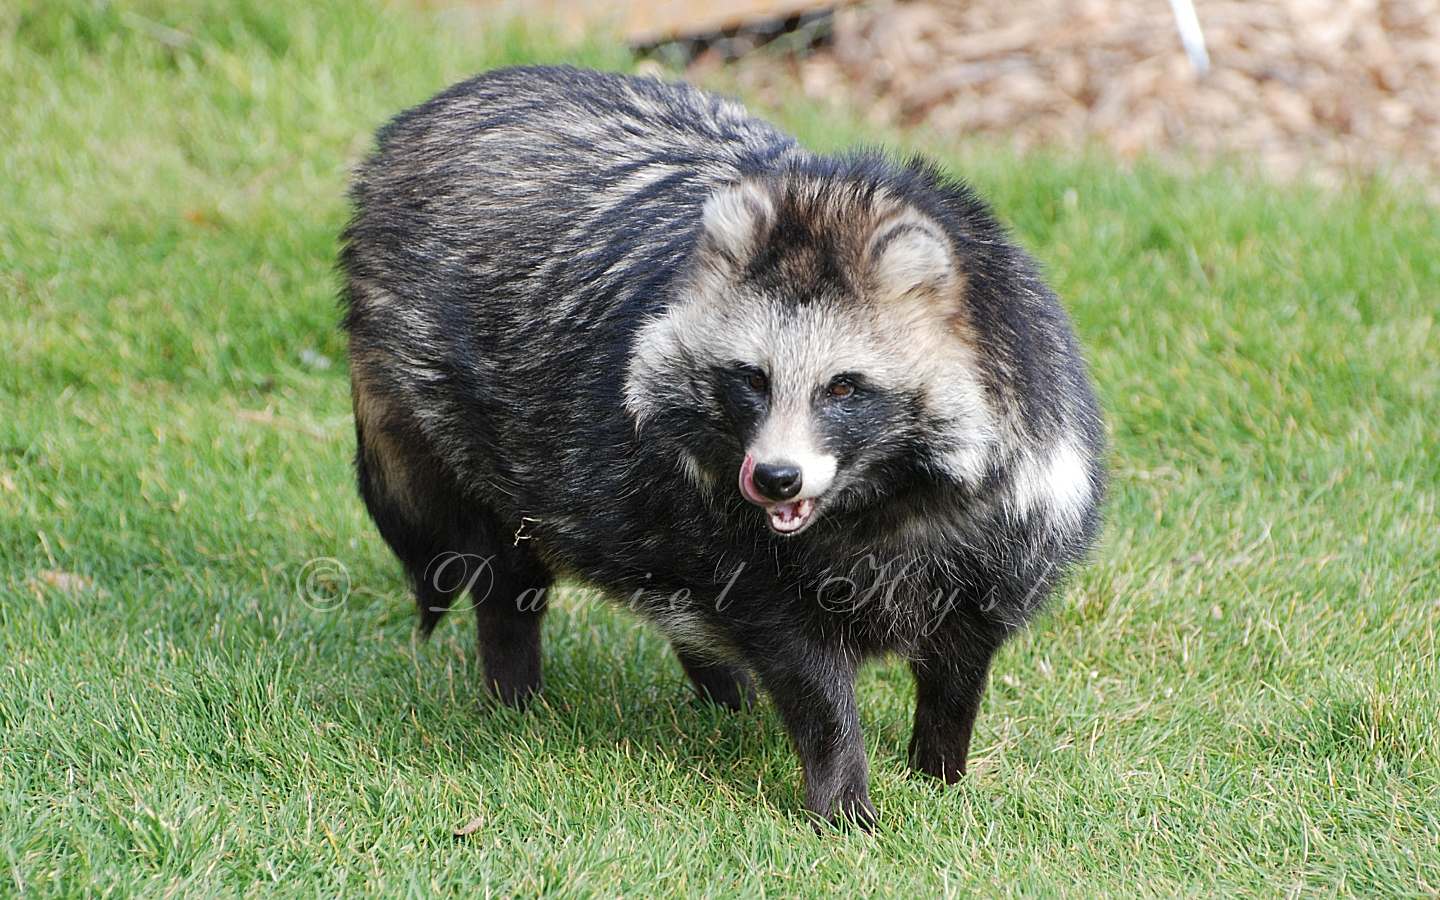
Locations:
(757, 380)
(841, 388)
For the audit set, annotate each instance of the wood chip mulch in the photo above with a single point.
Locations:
(1353, 85)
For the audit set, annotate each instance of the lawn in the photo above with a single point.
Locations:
(209, 678)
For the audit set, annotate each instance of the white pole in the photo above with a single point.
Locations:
(1190, 35)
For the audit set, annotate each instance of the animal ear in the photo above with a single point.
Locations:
(737, 218)
(908, 254)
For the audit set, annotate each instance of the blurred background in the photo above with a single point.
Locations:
(1344, 85)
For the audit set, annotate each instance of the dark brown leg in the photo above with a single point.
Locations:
(947, 696)
(718, 682)
(508, 617)
(813, 687)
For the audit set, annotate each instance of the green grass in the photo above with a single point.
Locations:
(1239, 697)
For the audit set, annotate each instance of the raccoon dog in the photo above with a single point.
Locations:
(796, 410)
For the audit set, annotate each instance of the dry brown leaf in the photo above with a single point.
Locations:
(68, 582)
(470, 827)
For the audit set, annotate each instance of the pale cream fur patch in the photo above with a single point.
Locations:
(1055, 486)
(735, 218)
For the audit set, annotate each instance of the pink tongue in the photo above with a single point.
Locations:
(747, 483)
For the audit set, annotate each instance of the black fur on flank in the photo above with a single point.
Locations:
(796, 410)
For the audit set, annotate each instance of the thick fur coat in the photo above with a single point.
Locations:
(796, 410)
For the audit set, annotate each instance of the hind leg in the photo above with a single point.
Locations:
(451, 545)
(718, 682)
(508, 589)
(508, 617)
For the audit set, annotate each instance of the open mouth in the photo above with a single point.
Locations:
(790, 517)
(785, 516)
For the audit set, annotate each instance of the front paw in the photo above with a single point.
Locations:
(847, 809)
(937, 759)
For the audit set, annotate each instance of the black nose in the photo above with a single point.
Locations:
(777, 482)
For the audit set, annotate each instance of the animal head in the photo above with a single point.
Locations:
(820, 352)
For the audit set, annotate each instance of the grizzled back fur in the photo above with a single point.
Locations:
(797, 410)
